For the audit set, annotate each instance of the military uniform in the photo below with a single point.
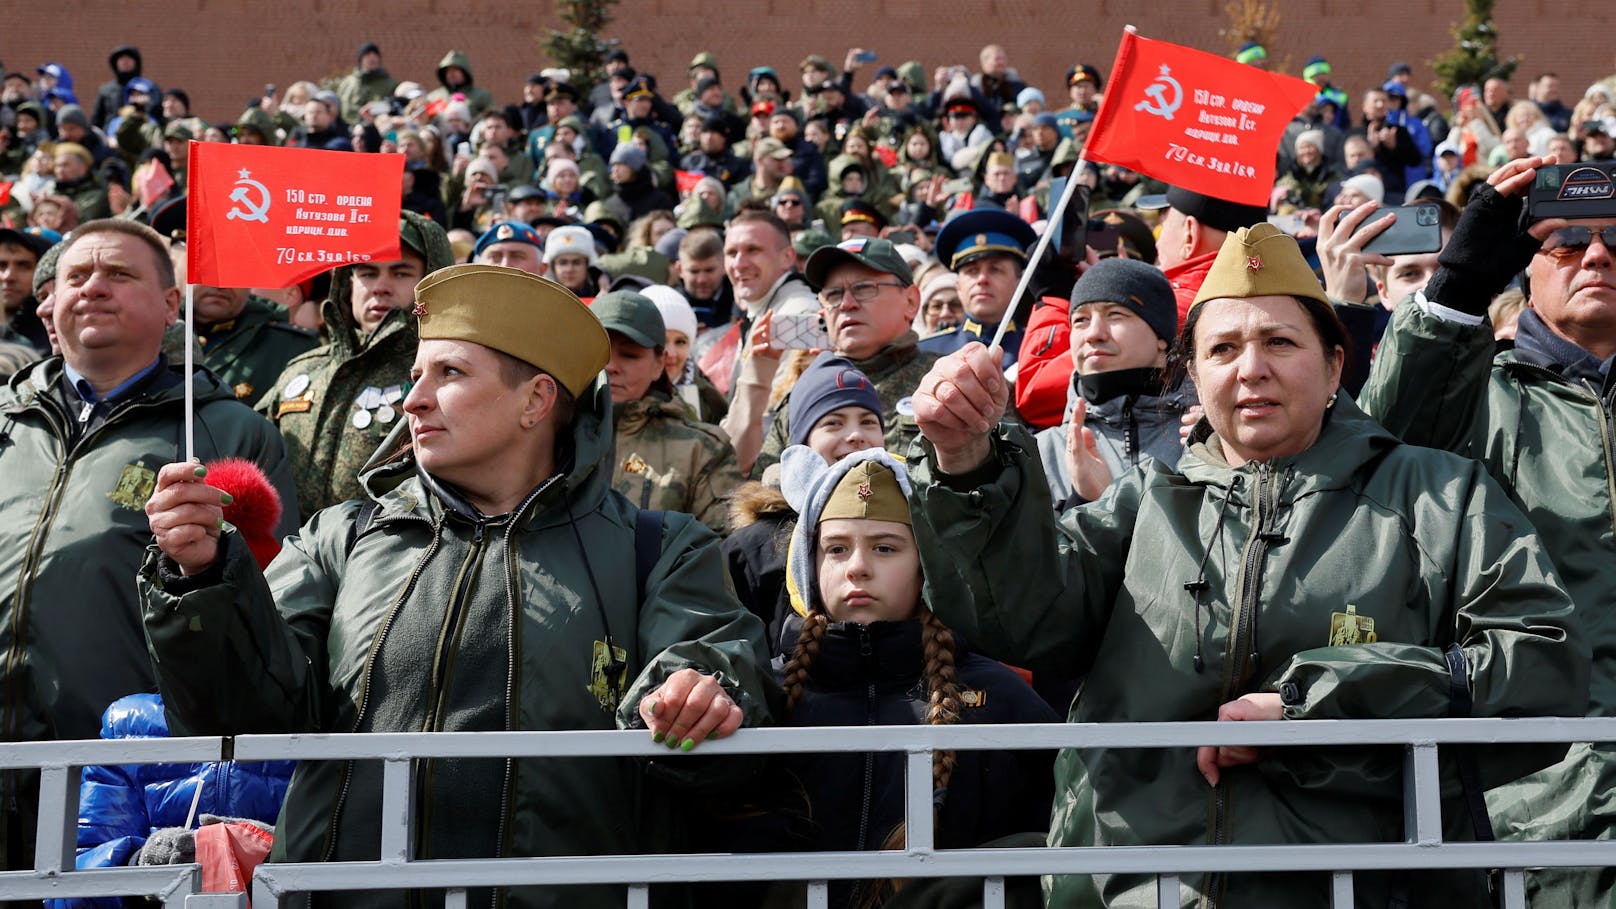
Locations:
(669, 462)
(896, 371)
(248, 352)
(337, 403)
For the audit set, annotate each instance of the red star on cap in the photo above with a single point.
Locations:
(1254, 263)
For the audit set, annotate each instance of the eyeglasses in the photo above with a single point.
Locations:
(862, 291)
(1570, 242)
(788, 201)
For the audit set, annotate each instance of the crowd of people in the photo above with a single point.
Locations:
(677, 412)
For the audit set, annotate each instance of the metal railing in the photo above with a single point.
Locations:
(1423, 848)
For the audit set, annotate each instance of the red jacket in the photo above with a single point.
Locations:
(1186, 278)
(1044, 364)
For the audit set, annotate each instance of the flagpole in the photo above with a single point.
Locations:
(1038, 252)
(190, 374)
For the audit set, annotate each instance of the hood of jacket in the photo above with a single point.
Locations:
(416, 232)
(124, 50)
(460, 59)
(1536, 344)
(259, 119)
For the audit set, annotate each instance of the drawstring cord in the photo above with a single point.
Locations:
(615, 666)
(1199, 585)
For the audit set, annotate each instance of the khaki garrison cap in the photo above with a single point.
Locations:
(531, 318)
(870, 492)
(1260, 261)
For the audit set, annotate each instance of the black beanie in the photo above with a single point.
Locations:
(1140, 287)
(829, 384)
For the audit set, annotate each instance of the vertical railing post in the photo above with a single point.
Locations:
(1422, 795)
(398, 821)
(57, 833)
(918, 810)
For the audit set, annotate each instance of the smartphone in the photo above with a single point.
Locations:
(1418, 229)
(865, 56)
(1586, 190)
(902, 236)
(799, 331)
(269, 89)
(1103, 238)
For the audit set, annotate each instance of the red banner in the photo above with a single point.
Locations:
(152, 181)
(263, 216)
(1193, 119)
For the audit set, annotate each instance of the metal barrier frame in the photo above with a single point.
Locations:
(1423, 848)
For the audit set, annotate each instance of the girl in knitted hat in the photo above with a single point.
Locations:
(870, 652)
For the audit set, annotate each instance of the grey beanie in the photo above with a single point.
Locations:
(72, 114)
(630, 154)
(1136, 285)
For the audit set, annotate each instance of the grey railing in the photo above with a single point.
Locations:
(1422, 849)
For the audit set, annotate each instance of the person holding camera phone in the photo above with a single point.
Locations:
(1540, 419)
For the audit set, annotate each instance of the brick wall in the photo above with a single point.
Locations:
(224, 52)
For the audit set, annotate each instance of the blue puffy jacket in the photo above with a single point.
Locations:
(121, 805)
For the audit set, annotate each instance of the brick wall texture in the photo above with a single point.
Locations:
(224, 52)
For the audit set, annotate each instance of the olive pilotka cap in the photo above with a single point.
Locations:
(869, 491)
(1260, 261)
(528, 317)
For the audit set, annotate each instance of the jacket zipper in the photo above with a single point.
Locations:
(441, 664)
(1238, 655)
(364, 687)
(867, 653)
(1131, 436)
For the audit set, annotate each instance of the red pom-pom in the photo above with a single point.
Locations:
(256, 508)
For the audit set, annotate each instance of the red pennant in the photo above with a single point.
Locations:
(887, 154)
(152, 182)
(685, 181)
(1029, 210)
(1193, 119)
(5, 191)
(263, 216)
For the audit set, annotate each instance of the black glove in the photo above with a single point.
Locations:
(1488, 249)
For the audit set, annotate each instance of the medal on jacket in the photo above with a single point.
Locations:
(606, 674)
(1351, 628)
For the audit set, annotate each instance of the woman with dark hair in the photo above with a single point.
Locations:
(1298, 563)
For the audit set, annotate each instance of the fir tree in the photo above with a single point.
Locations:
(1474, 58)
(581, 49)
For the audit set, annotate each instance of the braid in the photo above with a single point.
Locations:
(802, 657)
(944, 688)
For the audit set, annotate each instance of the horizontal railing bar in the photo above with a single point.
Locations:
(658, 869)
(602, 743)
(85, 752)
(128, 881)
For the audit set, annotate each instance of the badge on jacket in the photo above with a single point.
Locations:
(135, 485)
(1351, 628)
(606, 671)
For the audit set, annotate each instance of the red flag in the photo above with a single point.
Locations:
(263, 216)
(1193, 119)
(685, 181)
(1029, 210)
(152, 182)
(5, 191)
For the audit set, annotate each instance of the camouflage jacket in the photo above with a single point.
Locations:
(896, 371)
(669, 462)
(337, 403)
(248, 352)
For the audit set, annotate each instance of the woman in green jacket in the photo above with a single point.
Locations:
(493, 581)
(1299, 563)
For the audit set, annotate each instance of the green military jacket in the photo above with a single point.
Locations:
(1335, 578)
(896, 371)
(249, 352)
(432, 617)
(670, 462)
(72, 532)
(1551, 443)
(358, 89)
(318, 400)
(477, 98)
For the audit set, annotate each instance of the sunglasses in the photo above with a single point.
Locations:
(1569, 242)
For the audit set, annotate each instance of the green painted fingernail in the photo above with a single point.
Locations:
(200, 471)
(673, 743)
(221, 523)
(226, 498)
(687, 744)
(659, 737)
(654, 706)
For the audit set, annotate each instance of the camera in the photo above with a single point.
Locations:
(1585, 190)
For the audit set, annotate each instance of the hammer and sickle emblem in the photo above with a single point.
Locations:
(242, 195)
(1159, 104)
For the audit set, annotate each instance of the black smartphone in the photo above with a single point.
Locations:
(1586, 190)
(1418, 229)
(1103, 238)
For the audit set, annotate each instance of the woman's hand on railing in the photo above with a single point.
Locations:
(1209, 759)
(689, 708)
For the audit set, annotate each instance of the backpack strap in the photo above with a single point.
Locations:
(648, 526)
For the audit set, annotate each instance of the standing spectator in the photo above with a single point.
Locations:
(85, 433)
(1317, 70)
(807, 162)
(125, 62)
(1394, 149)
(996, 82)
(20, 254)
(455, 78)
(1545, 93)
(368, 82)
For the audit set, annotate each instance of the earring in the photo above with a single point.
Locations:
(1330, 403)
